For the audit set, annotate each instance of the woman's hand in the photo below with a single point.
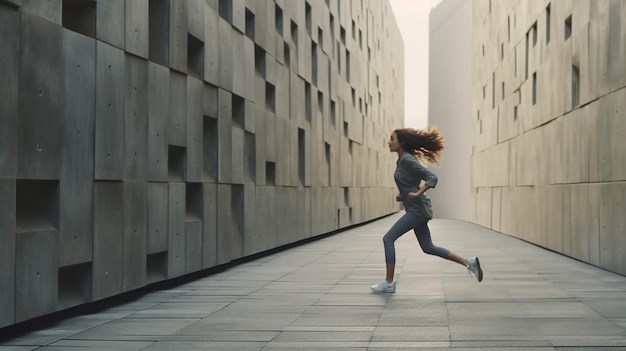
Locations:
(412, 195)
(398, 198)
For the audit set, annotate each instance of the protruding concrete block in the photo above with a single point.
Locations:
(158, 122)
(36, 274)
(211, 46)
(225, 47)
(136, 118)
(193, 245)
(77, 169)
(157, 211)
(9, 44)
(108, 238)
(225, 133)
(178, 109)
(7, 251)
(110, 79)
(135, 232)
(176, 234)
(137, 26)
(110, 22)
(209, 225)
(41, 70)
(49, 10)
(238, 61)
(194, 130)
(178, 35)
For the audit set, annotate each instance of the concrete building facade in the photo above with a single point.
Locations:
(449, 106)
(549, 116)
(143, 140)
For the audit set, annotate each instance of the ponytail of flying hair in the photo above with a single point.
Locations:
(425, 144)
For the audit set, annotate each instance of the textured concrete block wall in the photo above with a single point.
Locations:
(144, 140)
(549, 105)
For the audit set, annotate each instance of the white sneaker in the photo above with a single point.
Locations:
(384, 287)
(473, 266)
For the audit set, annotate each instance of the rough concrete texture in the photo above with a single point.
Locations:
(548, 101)
(145, 140)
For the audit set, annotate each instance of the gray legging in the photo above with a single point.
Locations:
(420, 226)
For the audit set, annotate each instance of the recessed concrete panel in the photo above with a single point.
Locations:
(178, 35)
(36, 274)
(40, 100)
(7, 251)
(137, 25)
(237, 154)
(110, 22)
(110, 82)
(304, 212)
(580, 221)
(178, 109)
(194, 130)
(136, 118)
(9, 43)
(50, 10)
(193, 245)
(249, 219)
(176, 232)
(157, 195)
(77, 170)
(158, 121)
(108, 238)
(209, 225)
(135, 232)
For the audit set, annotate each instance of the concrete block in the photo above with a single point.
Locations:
(110, 100)
(108, 239)
(176, 233)
(264, 236)
(250, 116)
(194, 130)
(249, 218)
(135, 233)
(238, 61)
(159, 31)
(136, 118)
(209, 225)
(36, 274)
(249, 70)
(48, 10)
(260, 145)
(211, 46)
(210, 104)
(157, 195)
(7, 251)
(110, 26)
(612, 223)
(230, 199)
(239, 15)
(77, 169)
(9, 44)
(596, 192)
(16, 3)
(137, 27)
(177, 129)
(210, 149)
(195, 18)
(41, 70)
(304, 212)
(286, 215)
(612, 129)
(237, 155)
(178, 35)
(225, 133)
(550, 207)
(158, 122)
(225, 47)
(580, 221)
(193, 245)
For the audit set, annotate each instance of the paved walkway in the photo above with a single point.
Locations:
(316, 297)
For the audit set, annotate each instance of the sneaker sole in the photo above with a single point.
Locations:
(480, 271)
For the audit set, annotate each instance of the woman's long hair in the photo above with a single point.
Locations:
(425, 144)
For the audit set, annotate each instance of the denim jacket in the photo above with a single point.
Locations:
(408, 176)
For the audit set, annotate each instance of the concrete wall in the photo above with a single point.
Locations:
(143, 140)
(450, 106)
(549, 99)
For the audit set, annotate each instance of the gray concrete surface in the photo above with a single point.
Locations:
(316, 297)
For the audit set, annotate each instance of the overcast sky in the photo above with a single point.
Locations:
(412, 19)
